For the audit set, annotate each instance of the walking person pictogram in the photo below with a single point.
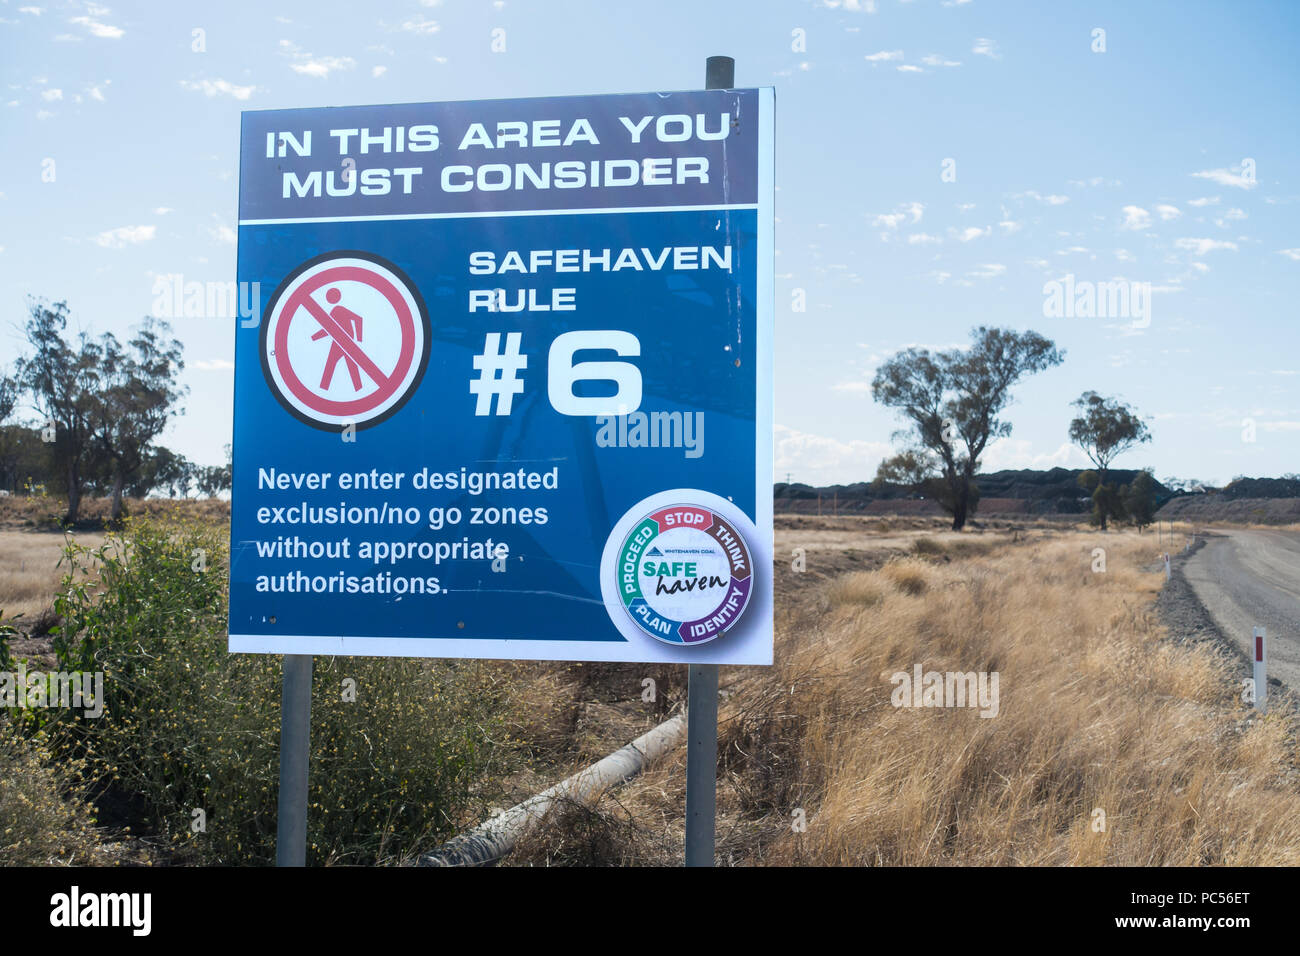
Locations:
(350, 323)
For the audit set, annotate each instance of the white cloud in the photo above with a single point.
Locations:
(378, 70)
(988, 271)
(163, 210)
(894, 219)
(96, 28)
(34, 11)
(1007, 453)
(1123, 255)
(821, 460)
(1235, 214)
(909, 68)
(935, 59)
(1203, 202)
(1135, 217)
(972, 232)
(919, 238)
(219, 87)
(213, 365)
(1199, 247)
(422, 26)
(1226, 177)
(1168, 212)
(884, 56)
(1051, 200)
(317, 66)
(124, 235)
(853, 6)
(1009, 226)
(96, 93)
(986, 47)
(51, 95)
(1290, 253)
(322, 66)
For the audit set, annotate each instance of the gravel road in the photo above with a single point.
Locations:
(1252, 578)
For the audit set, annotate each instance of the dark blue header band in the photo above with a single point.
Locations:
(575, 152)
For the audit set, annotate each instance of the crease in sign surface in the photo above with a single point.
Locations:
(476, 506)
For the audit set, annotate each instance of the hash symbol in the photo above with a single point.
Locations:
(507, 384)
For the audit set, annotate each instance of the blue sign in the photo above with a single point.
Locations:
(509, 390)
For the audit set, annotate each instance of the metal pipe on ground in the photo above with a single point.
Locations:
(492, 840)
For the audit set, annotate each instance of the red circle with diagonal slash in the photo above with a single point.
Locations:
(390, 384)
(294, 299)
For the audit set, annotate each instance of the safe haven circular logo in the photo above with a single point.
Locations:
(684, 574)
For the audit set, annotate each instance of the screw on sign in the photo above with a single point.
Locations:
(345, 341)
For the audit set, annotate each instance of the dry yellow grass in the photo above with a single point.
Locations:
(858, 587)
(29, 573)
(1113, 744)
(30, 544)
(1099, 711)
(908, 575)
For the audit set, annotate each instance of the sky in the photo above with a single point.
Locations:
(940, 164)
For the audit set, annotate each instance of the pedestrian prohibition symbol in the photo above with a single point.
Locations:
(345, 341)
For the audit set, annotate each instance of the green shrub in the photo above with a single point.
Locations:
(189, 727)
(7, 631)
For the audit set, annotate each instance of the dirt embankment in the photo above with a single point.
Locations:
(1214, 509)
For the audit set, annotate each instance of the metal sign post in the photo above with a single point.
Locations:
(702, 679)
(295, 749)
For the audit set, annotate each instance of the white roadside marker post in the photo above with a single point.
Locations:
(1261, 671)
(1166, 565)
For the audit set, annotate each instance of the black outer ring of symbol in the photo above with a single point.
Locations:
(266, 325)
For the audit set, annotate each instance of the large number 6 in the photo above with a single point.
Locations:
(563, 372)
